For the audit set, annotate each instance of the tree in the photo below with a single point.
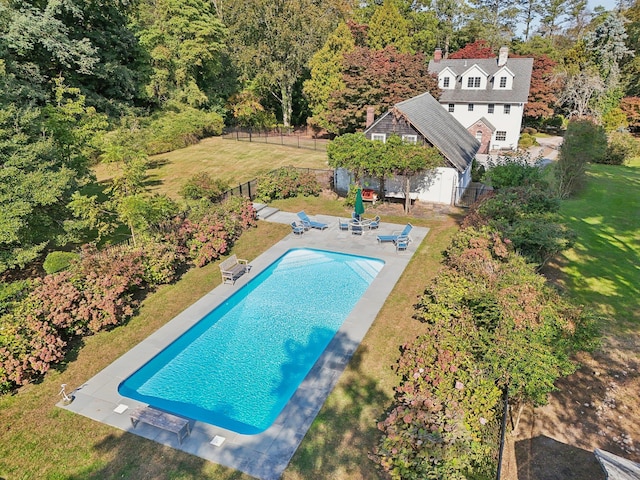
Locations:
(542, 91)
(388, 27)
(43, 158)
(584, 142)
(529, 10)
(273, 41)
(353, 152)
(631, 107)
(478, 49)
(607, 47)
(494, 20)
(408, 160)
(326, 73)
(579, 92)
(380, 79)
(185, 40)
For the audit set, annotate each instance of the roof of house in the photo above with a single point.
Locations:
(520, 67)
(439, 127)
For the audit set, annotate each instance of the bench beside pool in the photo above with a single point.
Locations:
(163, 420)
(232, 268)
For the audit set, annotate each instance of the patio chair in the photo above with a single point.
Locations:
(375, 223)
(357, 228)
(308, 223)
(297, 229)
(402, 243)
(394, 236)
(343, 225)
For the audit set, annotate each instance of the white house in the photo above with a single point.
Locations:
(487, 96)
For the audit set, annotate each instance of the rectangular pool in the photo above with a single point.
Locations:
(239, 365)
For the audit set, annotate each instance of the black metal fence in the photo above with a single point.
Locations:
(277, 137)
(468, 196)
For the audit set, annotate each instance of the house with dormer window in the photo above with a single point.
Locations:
(486, 95)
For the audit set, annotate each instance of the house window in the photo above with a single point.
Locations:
(380, 137)
(491, 108)
(445, 82)
(451, 107)
(473, 82)
(470, 107)
(501, 135)
(479, 135)
(507, 109)
(410, 138)
(503, 82)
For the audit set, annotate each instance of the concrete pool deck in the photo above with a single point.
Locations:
(267, 454)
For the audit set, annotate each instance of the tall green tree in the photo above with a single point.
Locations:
(272, 42)
(42, 154)
(185, 40)
(494, 20)
(388, 27)
(326, 73)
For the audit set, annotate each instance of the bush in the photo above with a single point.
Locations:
(621, 148)
(58, 261)
(477, 171)
(513, 171)
(584, 142)
(179, 127)
(526, 141)
(286, 182)
(201, 185)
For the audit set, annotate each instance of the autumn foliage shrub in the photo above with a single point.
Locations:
(492, 324)
(102, 288)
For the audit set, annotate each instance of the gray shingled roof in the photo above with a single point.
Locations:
(441, 129)
(520, 67)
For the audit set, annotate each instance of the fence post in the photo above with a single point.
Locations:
(249, 135)
(503, 430)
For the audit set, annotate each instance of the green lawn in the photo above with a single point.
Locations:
(229, 160)
(603, 268)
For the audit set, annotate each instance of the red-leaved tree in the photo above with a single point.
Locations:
(542, 92)
(477, 49)
(377, 78)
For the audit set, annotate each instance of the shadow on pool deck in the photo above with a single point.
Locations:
(267, 454)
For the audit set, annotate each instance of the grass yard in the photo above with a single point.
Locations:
(229, 160)
(603, 268)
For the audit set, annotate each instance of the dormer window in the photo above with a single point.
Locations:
(473, 82)
(445, 82)
(503, 82)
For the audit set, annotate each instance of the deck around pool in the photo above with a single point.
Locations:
(265, 455)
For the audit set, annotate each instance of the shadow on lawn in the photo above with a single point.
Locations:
(337, 444)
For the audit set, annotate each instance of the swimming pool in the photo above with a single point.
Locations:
(239, 365)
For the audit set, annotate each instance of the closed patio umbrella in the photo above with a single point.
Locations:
(359, 205)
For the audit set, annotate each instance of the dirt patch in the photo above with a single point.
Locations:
(596, 407)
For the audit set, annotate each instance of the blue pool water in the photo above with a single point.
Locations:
(238, 366)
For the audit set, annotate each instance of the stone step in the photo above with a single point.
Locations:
(266, 212)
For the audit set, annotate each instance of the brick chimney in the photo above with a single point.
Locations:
(437, 55)
(371, 116)
(503, 56)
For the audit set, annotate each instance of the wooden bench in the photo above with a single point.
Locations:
(232, 268)
(160, 419)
